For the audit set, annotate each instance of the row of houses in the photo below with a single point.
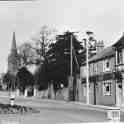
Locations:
(106, 76)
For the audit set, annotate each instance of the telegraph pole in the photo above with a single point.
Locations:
(71, 85)
(71, 69)
(71, 64)
(87, 74)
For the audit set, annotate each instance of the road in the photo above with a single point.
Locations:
(52, 112)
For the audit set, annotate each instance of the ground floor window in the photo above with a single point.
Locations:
(107, 88)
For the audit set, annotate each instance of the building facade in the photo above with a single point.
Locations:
(101, 78)
(106, 76)
(119, 48)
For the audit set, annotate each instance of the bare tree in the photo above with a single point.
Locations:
(45, 37)
(28, 54)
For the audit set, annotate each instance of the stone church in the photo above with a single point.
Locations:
(15, 62)
(13, 58)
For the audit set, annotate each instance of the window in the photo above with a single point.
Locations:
(107, 65)
(119, 58)
(95, 68)
(107, 88)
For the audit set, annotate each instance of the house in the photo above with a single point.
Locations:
(101, 78)
(119, 48)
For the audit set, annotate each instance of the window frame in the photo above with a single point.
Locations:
(120, 57)
(105, 92)
(106, 69)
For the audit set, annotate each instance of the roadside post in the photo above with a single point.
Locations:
(12, 99)
(113, 114)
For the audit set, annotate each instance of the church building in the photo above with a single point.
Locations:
(13, 58)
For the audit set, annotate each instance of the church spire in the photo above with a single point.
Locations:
(13, 47)
(13, 58)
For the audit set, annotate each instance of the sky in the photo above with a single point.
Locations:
(104, 17)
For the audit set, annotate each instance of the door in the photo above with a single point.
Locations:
(119, 94)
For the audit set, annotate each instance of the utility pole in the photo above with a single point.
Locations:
(71, 69)
(87, 74)
(71, 61)
(71, 78)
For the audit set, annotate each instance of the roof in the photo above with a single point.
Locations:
(119, 43)
(107, 52)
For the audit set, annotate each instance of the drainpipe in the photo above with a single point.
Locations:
(94, 92)
(115, 77)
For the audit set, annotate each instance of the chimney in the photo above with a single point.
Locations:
(99, 46)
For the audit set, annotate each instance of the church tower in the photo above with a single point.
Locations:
(13, 58)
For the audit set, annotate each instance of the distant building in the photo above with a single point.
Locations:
(13, 58)
(15, 62)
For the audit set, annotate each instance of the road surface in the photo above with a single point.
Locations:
(53, 113)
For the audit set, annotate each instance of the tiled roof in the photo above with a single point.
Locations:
(120, 42)
(107, 52)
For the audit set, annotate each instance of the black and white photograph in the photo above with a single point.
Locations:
(61, 61)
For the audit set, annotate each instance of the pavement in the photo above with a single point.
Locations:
(54, 112)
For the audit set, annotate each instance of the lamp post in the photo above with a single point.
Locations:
(86, 42)
(89, 33)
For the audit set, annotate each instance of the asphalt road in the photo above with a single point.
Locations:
(53, 113)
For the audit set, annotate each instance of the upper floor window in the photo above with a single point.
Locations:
(119, 57)
(106, 65)
(91, 69)
(95, 68)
